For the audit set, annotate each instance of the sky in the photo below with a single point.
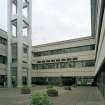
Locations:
(55, 20)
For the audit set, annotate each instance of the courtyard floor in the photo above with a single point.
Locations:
(76, 96)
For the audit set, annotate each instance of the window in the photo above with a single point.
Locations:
(25, 48)
(45, 66)
(68, 59)
(71, 64)
(89, 63)
(65, 50)
(75, 59)
(57, 60)
(43, 61)
(62, 65)
(52, 60)
(24, 61)
(14, 60)
(38, 61)
(47, 60)
(3, 59)
(63, 59)
(78, 64)
(34, 66)
(57, 65)
(92, 47)
(3, 41)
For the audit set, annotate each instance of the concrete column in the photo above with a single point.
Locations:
(9, 29)
(19, 22)
(29, 41)
(19, 42)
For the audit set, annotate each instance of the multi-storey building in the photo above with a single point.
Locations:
(98, 31)
(3, 56)
(72, 60)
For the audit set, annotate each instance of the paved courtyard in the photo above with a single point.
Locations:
(76, 96)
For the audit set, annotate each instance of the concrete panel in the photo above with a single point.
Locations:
(87, 71)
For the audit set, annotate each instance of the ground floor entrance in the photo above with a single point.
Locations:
(54, 80)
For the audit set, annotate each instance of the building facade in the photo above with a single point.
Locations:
(78, 61)
(98, 29)
(3, 57)
(72, 59)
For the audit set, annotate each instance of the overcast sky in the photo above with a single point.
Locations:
(55, 20)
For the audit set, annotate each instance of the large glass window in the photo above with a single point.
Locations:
(65, 50)
(70, 64)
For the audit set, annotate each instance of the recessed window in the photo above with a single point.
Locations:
(38, 61)
(75, 59)
(14, 60)
(63, 59)
(43, 61)
(52, 60)
(47, 60)
(68, 59)
(3, 59)
(57, 60)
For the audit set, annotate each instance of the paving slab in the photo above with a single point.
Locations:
(91, 103)
(75, 96)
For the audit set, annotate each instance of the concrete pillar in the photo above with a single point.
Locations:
(20, 22)
(19, 42)
(9, 28)
(29, 41)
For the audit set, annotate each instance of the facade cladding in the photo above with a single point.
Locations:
(71, 61)
(98, 30)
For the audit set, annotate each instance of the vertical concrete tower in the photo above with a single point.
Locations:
(19, 43)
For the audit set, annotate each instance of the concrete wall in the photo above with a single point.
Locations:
(68, 72)
(84, 55)
(101, 46)
(99, 25)
(64, 44)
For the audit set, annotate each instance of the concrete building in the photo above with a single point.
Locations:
(19, 43)
(98, 30)
(69, 60)
(3, 56)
